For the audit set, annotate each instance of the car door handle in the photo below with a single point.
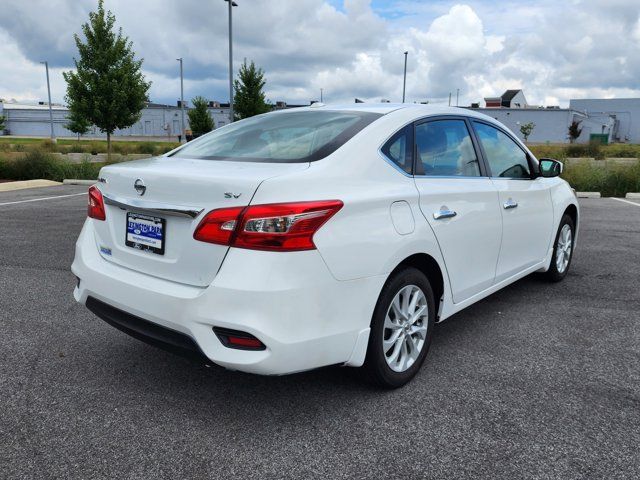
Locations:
(439, 215)
(509, 204)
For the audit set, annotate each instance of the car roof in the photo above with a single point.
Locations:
(417, 109)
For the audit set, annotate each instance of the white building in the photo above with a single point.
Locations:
(509, 99)
(619, 118)
(551, 124)
(156, 120)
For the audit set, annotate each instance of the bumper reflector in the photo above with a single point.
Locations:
(238, 340)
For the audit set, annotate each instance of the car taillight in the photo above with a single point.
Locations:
(218, 226)
(275, 227)
(95, 206)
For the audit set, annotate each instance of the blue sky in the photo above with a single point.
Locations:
(351, 48)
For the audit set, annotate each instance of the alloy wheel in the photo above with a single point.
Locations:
(563, 248)
(405, 328)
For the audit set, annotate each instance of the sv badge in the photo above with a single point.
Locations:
(231, 195)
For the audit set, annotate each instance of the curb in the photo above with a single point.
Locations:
(632, 195)
(71, 181)
(20, 185)
(588, 194)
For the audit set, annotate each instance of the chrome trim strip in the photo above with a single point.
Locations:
(454, 177)
(393, 164)
(160, 208)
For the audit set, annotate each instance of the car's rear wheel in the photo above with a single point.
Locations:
(401, 329)
(562, 250)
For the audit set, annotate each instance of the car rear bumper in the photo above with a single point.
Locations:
(289, 301)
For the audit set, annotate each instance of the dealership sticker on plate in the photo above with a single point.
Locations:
(145, 232)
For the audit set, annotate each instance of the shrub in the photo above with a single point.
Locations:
(64, 149)
(591, 150)
(35, 164)
(549, 151)
(147, 147)
(575, 130)
(84, 170)
(47, 145)
(39, 164)
(96, 147)
(123, 148)
(77, 147)
(164, 148)
(610, 180)
(623, 151)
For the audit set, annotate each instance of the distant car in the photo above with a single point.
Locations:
(325, 235)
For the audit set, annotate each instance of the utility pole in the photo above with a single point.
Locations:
(183, 137)
(404, 82)
(321, 94)
(457, 95)
(46, 66)
(449, 98)
(231, 5)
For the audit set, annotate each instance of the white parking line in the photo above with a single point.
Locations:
(43, 198)
(626, 201)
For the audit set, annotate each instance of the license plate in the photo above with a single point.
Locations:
(145, 232)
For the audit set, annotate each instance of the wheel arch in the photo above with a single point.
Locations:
(430, 267)
(572, 211)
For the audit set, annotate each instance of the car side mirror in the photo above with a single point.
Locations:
(550, 167)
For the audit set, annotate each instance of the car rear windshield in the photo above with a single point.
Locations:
(283, 137)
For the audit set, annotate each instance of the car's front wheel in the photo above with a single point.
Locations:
(401, 329)
(562, 250)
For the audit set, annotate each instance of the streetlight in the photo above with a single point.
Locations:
(321, 94)
(46, 66)
(231, 5)
(457, 95)
(182, 135)
(404, 83)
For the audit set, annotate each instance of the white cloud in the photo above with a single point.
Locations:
(553, 50)
(24, 79)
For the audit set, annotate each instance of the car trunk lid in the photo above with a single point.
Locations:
(177, 192)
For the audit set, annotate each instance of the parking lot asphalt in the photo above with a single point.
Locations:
(537, 381)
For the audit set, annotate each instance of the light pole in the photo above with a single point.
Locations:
(182, 135)
(404, 83)
(46, 66)
(457, 95)
(321, 94)
(231, 5)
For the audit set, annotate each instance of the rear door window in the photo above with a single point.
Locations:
(444, 148)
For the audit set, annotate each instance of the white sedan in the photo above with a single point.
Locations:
(325, 235)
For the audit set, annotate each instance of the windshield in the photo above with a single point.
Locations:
(287, 137)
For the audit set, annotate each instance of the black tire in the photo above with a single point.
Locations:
(553, 274)
(375, 366)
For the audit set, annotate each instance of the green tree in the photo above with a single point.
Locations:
(78, 124)
(249, 98)
(1, 123)
(574, 130)
(526, 130)
(107, 88)
(199, 119)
